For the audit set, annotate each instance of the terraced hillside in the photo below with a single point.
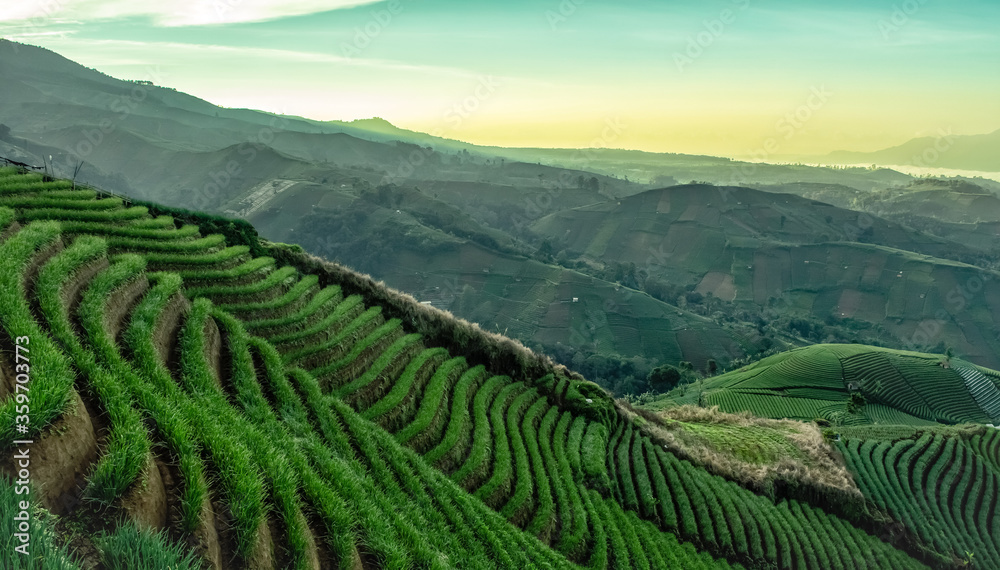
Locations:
(263, 416)
(806, 259)
(887, 387)
(942, 484)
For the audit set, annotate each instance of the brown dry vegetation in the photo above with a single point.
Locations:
(817, 474)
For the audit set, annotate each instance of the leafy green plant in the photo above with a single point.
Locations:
(130, 547)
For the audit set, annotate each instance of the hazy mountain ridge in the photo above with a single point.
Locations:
(158, 144)
(943, 150)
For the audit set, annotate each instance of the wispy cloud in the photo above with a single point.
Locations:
(171, 13)
(116, 52)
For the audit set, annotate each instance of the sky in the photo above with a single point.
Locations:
(761, 78)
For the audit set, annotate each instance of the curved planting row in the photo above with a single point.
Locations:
(727, 519)
(939, 485)
(876, 375)
(769, 405)
(985, 392)
(987, 445)
(952, 402)
(910, 388)
(248, 473)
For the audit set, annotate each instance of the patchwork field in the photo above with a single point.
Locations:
(807, 258)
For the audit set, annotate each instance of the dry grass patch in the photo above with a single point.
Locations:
(773, 457)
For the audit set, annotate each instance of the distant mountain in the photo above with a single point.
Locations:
(482, 231)
(960, 152)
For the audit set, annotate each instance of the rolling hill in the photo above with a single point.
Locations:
(256, 407)
(825, 381)
(808, 259)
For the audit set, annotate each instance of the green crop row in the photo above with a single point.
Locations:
(257, 264)
(643, 482)
(360, 324)
(504, 545)
(320, 305)
(465, 449)
(429, 423)
(505, 418)
(131, 546)
(167, 415)
(44, 551)
(237, 464)
(57, 197)
(387, 466)
(944, 387)
(189, 261)
(909, 477)
(285, 304)
(574, 446)
(621, 459)
(322, 316)
(144, 245)
(519, 506)
(65, 201)
(375, 372)
(666, 513)
(263, 433)
(106, 216)
(31, 183)
(593, 451)
(385, 331)
(159, 229)
(405, 384)
(733, 522)
(128, 444)
(49, 393)
(7, 216)
(574, 528)
(329, 476)
(273, 279)
(382, 456)
(545, 473)
(988, 447)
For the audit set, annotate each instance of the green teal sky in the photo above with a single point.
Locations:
(717, 77)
